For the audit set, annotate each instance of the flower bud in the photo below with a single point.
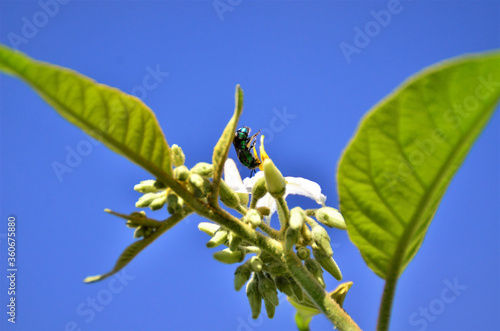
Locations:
(340, 293)
(259, 189)
(296, 218)
(178, 157)
(322, 239)
(303, 253)
(315, 269)
(139, 232)
(328, 263)
(147, 230)
(218, 239)
(234, 241)
(199, 185)
(158, 202)
(173, 205)
(306, 233)
(255, 264)
(208, 228)
(275, 181)
(297, 290)
(181, 173)
(253, 218)
(331, 217)
(131, 224)
(268, 290)
(254, 296)
(203, 169)
(270, 308)
(229, 257)
(145, 200)
(228, 196)
(276, 268)
(241, 276)
(146, 186)
(264, 211)
(283, 284)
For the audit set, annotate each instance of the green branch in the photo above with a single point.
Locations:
(315, 292)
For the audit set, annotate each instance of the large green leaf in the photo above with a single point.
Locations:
(121, 121)
(397, 167)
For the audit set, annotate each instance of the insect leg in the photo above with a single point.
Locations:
(251, 141)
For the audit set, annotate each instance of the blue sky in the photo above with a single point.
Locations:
(301, 88)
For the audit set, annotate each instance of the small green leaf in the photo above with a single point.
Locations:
(137, 218)
(397, 167)
(128, 254)
(131, 251)
(302, 321)
(121, 121)
(221, 149)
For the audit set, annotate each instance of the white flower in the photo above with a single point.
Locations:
(294, 185)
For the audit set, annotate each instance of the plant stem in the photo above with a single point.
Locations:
(273, 233)
(320, 297)
(384, 314)
(283, 214)
(242, 210)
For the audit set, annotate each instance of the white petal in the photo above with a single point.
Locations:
(232, 177)
(250, 182)
(304, 187)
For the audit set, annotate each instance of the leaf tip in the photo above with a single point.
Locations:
(92, 279)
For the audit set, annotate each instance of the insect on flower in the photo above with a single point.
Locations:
(243, 145)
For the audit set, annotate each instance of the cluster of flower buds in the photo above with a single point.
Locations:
(156, 195)
(141, 230)
(264, 274)
(303, 233)
(196, 179)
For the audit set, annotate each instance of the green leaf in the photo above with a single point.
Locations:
(131, 251)
(396, 169)
(221, 149)
(302, 321)
(137, 218)
(121, 121)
